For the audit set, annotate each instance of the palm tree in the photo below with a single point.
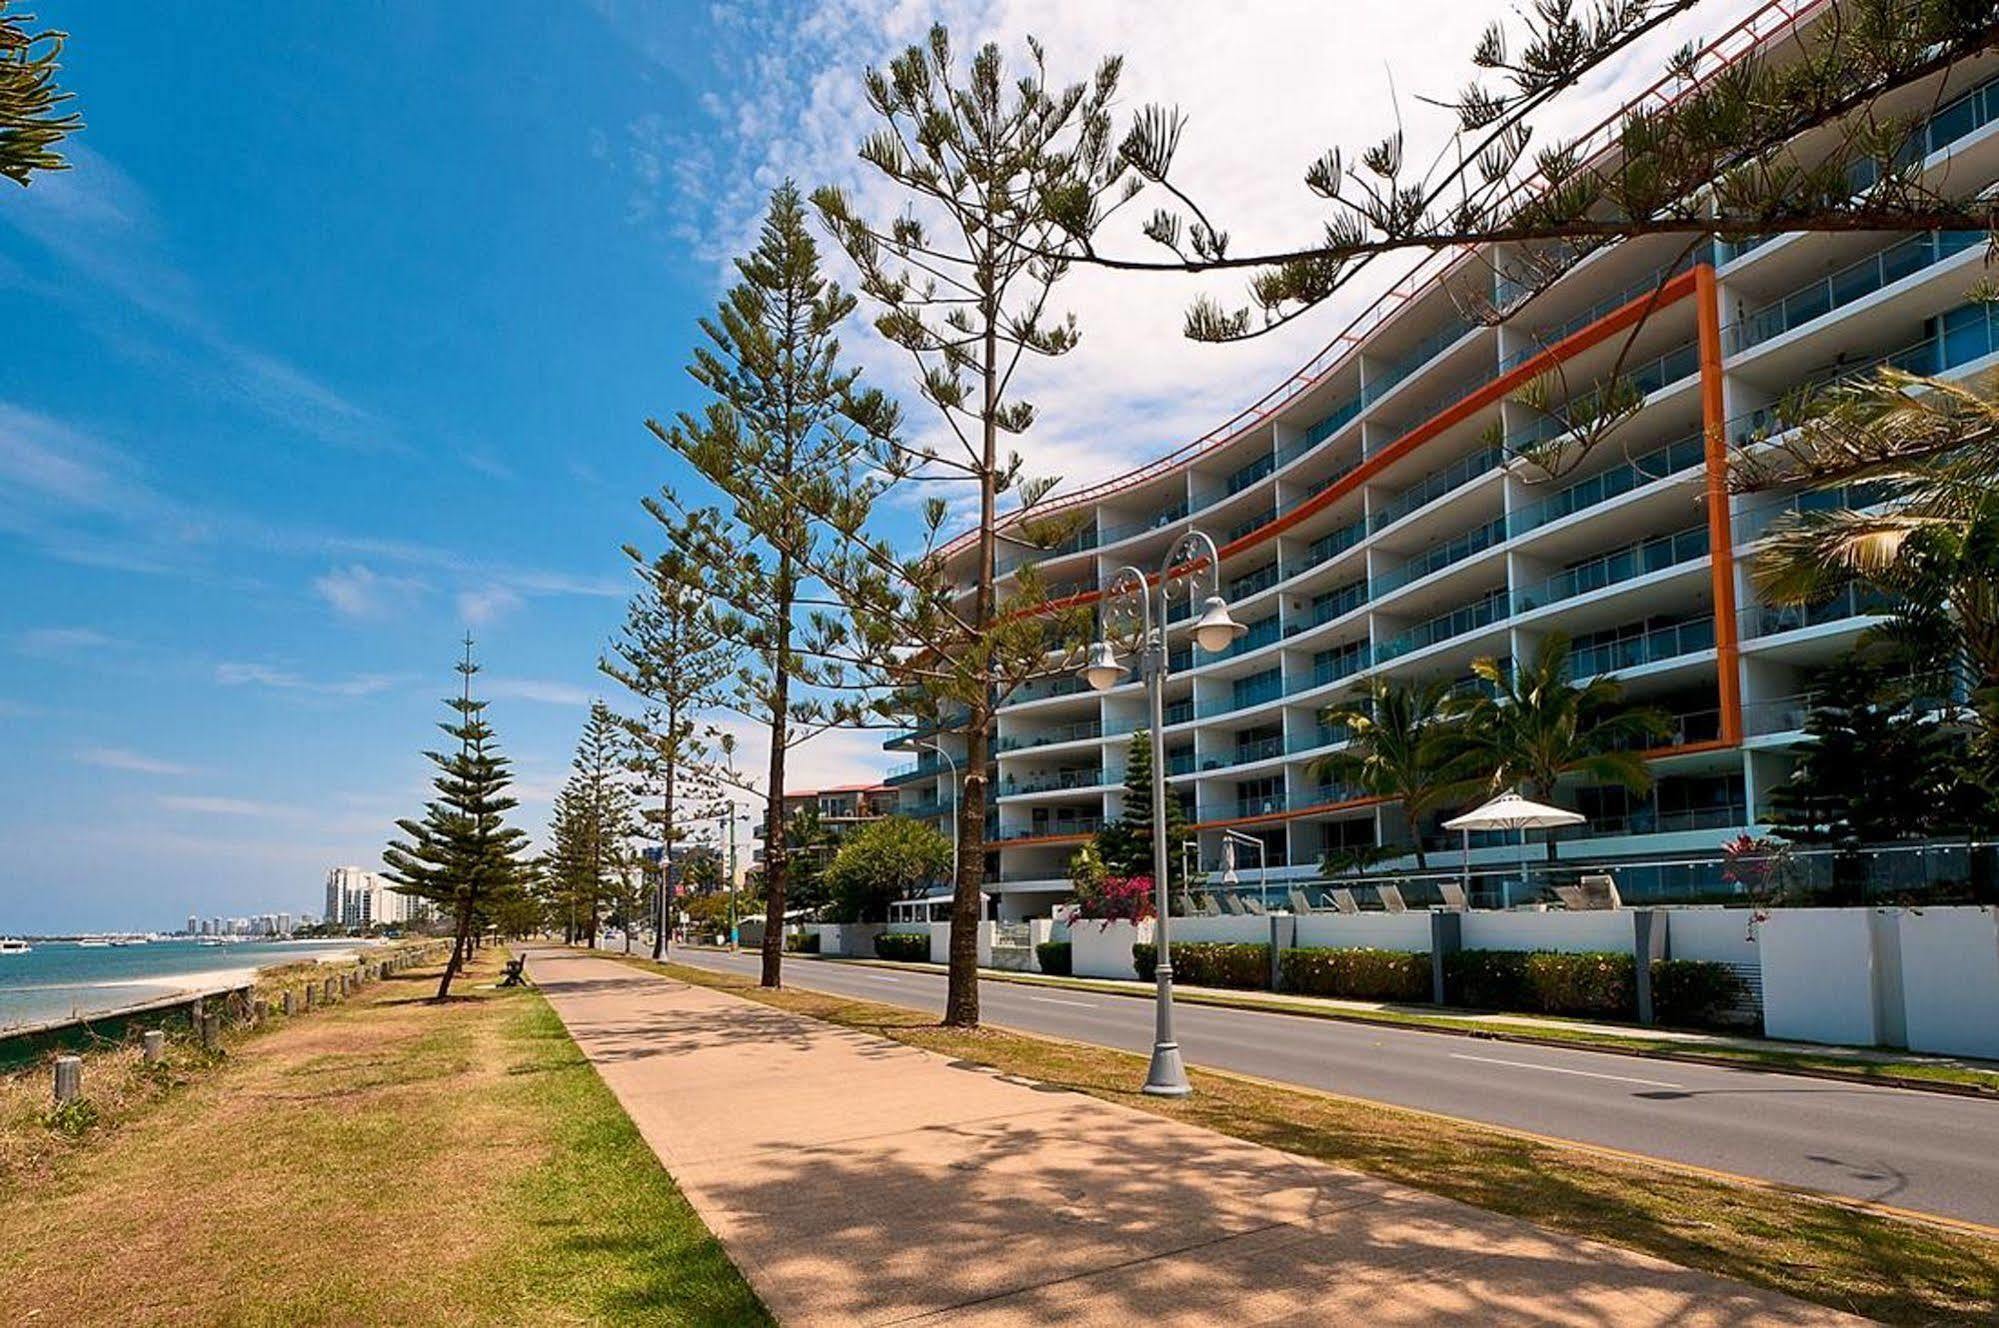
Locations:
(1536, 724)
(1399, 747)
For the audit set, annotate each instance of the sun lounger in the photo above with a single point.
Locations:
(1454, 896)
(1301, 903)
(1232, 904)
(1391, 898)
(1344, 901)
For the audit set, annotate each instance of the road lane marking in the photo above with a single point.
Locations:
(880, 977)
(1556, 1069)
(1053, 1000)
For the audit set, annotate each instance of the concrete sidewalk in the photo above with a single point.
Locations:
(857, 1180)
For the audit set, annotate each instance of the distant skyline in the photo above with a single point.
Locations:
(339, 338)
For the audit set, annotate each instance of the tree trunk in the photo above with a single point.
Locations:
(1415, 837)
(776, 857)
(961, 999)
(664, 922)
(460, 939)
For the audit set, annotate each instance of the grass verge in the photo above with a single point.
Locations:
(1865, 1066)
(386, 1161)
(1865, 1262)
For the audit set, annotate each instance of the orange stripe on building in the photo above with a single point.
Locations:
(1720, 536)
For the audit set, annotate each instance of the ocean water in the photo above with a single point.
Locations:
(61, 978)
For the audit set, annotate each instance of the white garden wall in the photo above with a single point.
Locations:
(1379, 931)
(1818, 975)
(1950, 980)
(1103, 949)
(848, 939)
(1716, 935)
(1231, 930)
(1571, 933)
(940, 943)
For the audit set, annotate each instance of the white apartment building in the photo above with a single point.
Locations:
(356, 897)
(1373, 517)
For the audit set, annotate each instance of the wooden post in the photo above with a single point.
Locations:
(285, 1003)
(211, 1031)
(308, 995)
(69, 1079)
(154, 1041)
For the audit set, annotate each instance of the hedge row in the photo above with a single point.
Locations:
(1209, 964)
(1055, 957)
(909, 947)
(1598, 984)
(1357, 974)
(806, 942)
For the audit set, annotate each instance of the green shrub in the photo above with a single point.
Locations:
(908, 947)
(1357, 974)
(1695, 992)
(1055, 957)
(1240, 965)
(1596, 983)
(806, 942)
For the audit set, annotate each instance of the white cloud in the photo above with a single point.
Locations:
(54, 642)
(538, 689)
(1265, 94)
(237, 674)
(213, 806)
(77, 498)
(121, 758)
(478, 607)
(358, 591)
(834, 757)
(99, 221)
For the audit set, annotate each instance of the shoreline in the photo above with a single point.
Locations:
(174, 988)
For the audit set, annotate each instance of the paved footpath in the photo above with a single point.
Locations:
(857, 1180)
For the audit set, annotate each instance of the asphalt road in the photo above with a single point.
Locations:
(1923, 1151)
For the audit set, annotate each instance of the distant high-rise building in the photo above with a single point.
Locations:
(359, 898)
(284, 924)
(193, 925)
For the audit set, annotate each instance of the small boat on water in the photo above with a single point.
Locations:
(121, 941)
(93, 942)
(10, 946)
(210, 940)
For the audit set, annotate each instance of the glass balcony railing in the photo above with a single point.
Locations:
(1850, 283)
(1852, 602)
(1609, 304)
(1440, 556)
(1312, 739)
(1260, 749)
(1254, 690)
(1165, 516)
(1082, 729)
(1480, 613)
(1435, 485)
(1655, 646)
(1676, 456)
(1263, 578)
(1382, 380)
(1254, 521)
(1179, 712)
(1333, 604)
(1783, 714)
(1633, 560)
(1055, 781)
(1055, 827)
(1261, 633)
(1041, 689)
(1962, 116)
(1752, 523)
(1329, 546)
(1180, 763)
(1237, 482)
(1330, 666)
(1011, 557)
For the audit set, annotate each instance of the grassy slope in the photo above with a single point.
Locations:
(384, 1162)
(1866, 1262)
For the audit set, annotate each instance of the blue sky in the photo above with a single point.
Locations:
(339, 339)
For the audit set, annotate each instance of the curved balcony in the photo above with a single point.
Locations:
(1626, 564)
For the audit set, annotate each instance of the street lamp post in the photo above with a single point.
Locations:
(1214, 631)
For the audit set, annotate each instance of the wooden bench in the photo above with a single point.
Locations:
(516, 973)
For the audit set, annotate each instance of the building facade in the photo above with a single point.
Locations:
(1376, 516)
(356, 898)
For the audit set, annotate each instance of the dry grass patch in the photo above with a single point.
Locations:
(387, 1161)
(1814, 1249)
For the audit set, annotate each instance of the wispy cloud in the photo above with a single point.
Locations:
(478, 607)
(232, 673)
(358, 591)
(99, 221)
(59, 642)
(138, 763)
(204, 805)
(78, 498)
(542, 690)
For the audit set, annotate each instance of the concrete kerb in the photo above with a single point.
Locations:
(1613, 1040)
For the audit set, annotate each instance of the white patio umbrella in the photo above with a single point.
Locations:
(1508, 811)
